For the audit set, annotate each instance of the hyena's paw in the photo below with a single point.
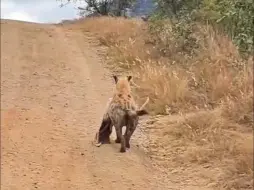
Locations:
(106, 141)
(128, 145)
(117, 141)
(122, 150)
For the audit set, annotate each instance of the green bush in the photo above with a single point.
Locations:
(235, 17)
(173, 36)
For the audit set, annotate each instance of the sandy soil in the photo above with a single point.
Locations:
(53, 92)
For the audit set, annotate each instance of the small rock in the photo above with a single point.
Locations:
(211, 184)
(207, 166)
(174, 171)
(82, 154)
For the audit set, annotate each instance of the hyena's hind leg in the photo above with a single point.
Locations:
(131, 127)
(118, 128)
(118, 138)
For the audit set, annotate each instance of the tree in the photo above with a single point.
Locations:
(101, 7)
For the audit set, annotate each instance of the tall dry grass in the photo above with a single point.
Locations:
(218, 147)
(180, 83)
(213, 83)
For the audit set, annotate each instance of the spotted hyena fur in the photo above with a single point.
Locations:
(121, 111)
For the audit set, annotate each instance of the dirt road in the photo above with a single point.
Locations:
(53, 93)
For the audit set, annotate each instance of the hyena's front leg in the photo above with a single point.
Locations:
(105, 130)
(107, 133)
(131, 127)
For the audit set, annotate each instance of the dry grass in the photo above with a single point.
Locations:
(216, 80)
(119, 34)
(167, 88)
(207, 140)
(180, 83)
(240, 111)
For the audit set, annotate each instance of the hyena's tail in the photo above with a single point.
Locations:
(146, 102)
(141, 111)
(134, 114)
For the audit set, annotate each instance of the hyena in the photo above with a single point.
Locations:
(121, 111)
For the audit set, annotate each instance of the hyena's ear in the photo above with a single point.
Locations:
(115, 78)
(129, 78)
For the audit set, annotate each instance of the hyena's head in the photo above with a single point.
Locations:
(123, 84)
